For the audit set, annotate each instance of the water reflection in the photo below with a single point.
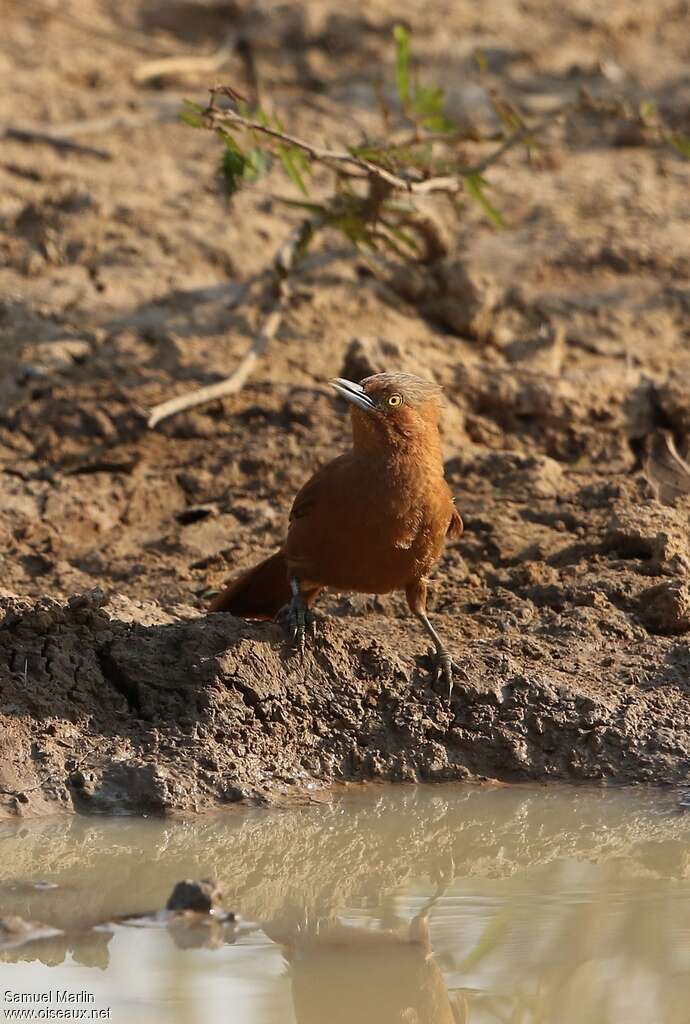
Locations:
(345, 973)
(406, 905)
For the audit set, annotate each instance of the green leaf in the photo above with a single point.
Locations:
(256, 163)
(192, 114)
(374, 155)
(192, 119)
(251, 113)
(428, 105)
(231, 142)
(428, 100)
(290, 157)
(681, 143)
(301, 160)
(354, 228)
(480, 60)
(396, 157)
(475, 185)
(439, 123)
(405, 238)
(232, 168)
(509, 115)
(301, 204)
(402, 63)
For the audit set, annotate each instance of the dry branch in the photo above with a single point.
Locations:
(236, 381)
(285, 262)
(204, 64)
(409, 182)
(216, 118)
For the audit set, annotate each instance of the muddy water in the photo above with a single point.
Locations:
(409, 905)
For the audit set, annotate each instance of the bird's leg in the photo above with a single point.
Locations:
(443, 661)
(299, 618)
(416, 599)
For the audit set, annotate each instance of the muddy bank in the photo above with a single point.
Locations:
(112, 706)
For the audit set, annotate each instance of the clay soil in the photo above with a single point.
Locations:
(562, 342)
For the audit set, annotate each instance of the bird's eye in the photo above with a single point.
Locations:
(394, 401)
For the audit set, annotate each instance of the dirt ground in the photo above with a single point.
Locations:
(562, 342)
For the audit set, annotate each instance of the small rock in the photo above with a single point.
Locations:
(97, 423)
(367, 356)
(201, 897)
(233, 794)
(655, 534)
(524, 477)
(412, 282)
(666, 608)
(60, 354)
(467, 300)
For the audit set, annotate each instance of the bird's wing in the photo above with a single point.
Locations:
(455, 526)
(316, 489)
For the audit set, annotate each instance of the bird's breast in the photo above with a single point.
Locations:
(372, 532)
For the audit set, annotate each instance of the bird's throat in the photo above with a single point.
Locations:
(382, 439)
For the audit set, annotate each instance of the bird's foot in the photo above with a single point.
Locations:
(299, 622)
(445, 669)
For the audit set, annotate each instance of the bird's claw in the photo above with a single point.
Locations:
(444, 668)
(301, 623)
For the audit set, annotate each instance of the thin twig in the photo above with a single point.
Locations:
(236, 381)
(203, 64)
(216, 118)
(286, 259)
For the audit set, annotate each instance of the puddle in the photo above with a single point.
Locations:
(414, 905)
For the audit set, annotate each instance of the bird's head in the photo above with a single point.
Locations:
(392, 408)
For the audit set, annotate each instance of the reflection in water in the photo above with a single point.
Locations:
(344, 973)
(419, 905)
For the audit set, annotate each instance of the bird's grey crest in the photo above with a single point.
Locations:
(414, 390)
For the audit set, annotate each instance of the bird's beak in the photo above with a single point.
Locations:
(354, 393)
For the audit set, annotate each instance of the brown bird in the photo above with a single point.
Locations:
(373, 520)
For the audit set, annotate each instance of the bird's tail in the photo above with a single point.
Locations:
(259, 593)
